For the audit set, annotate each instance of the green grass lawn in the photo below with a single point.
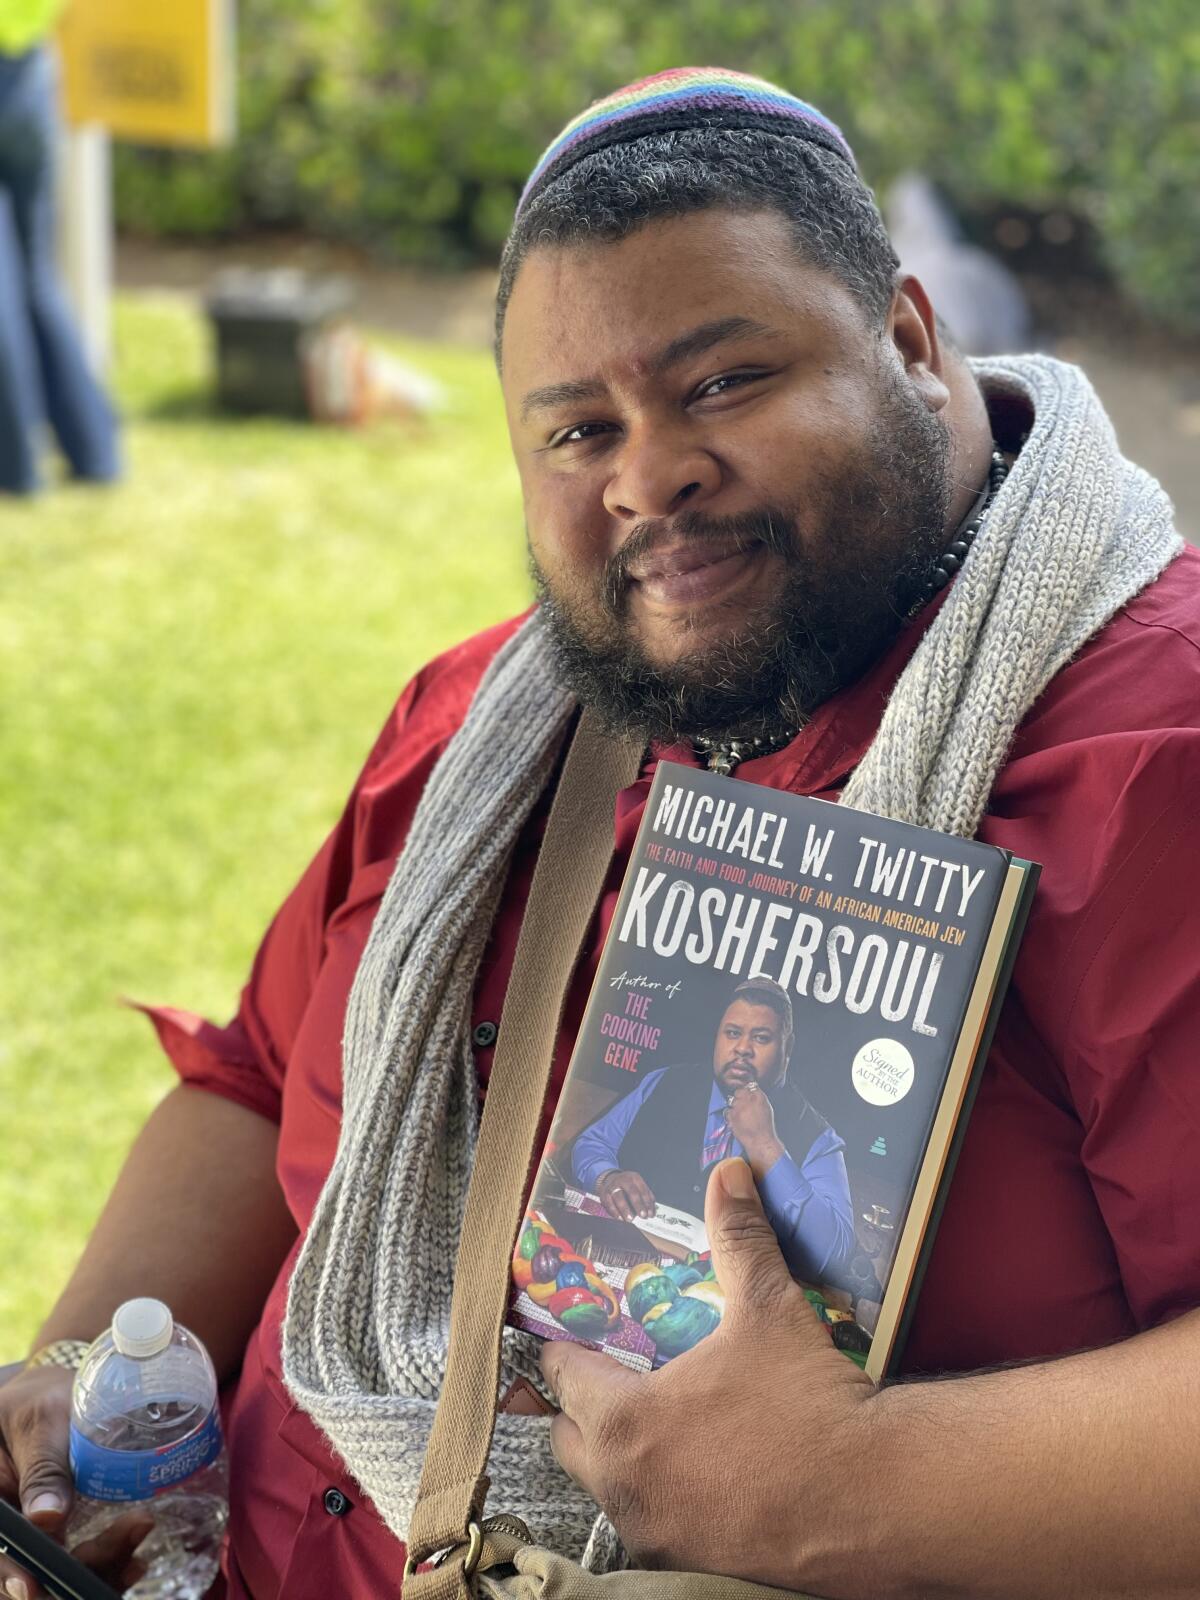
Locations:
(194, 667)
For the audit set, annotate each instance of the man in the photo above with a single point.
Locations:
(747, 463)
(678, 1123)
(44, 376)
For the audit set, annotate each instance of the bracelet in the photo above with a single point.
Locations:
(67, 1353)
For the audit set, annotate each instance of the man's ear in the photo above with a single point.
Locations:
(912, 327)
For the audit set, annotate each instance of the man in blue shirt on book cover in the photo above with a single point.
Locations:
(656, 1145)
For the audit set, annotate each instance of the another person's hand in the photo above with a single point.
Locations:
(723, 1460)
(751, 1118)
(626, 1195)
(35, 1474)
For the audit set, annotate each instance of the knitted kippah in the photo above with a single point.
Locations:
(684, 97)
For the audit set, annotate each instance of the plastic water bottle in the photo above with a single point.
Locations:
(146, 1435)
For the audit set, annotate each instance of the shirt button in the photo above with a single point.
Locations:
(485, 1035)
(336, 1503)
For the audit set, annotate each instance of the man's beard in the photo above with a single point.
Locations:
(872, 537)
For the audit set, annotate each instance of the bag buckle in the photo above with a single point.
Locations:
(474, 1551)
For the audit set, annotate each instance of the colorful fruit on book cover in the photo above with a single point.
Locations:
(683, 1324)
(653, 1315)
(709, 1292)
(817, 1301)
(529, 1242)
(549, 1262)
(550, 1255)
(580, 1311)
(647, 1286)
(522, 1270)
(641, 1273)
(683, 1275)
(611, 1304)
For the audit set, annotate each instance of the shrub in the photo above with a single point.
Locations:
(408, 126)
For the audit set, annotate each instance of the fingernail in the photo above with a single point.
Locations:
(737, 1179)
(16, 1589)
(49, 1502)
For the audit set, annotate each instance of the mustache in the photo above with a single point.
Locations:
(773, 528)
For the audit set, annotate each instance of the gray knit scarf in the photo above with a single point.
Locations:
(1073, 534)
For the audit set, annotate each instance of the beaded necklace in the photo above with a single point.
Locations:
(723, 755)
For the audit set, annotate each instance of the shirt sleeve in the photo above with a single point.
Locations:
(597, 1149)
(1129, 1024)
(808, 1204)
(246, 1059)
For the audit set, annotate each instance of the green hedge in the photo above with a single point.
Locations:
(408, 126)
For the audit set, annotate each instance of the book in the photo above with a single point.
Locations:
(805, 985)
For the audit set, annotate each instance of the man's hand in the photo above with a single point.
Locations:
(751, 1118)
(718, 1462)
(626, 1195)
(35, 1473)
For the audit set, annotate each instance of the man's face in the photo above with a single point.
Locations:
(748, 1047)
(729, 474)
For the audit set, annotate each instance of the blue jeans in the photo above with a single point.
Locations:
(44, 376)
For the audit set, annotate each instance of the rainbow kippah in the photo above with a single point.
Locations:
(684, 97)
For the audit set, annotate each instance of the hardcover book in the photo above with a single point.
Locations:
(785, 979)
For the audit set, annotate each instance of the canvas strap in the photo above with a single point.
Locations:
(571, 866)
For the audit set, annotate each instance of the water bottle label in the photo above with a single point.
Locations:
(103, 1474)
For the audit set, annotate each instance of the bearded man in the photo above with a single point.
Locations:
(661, 1141)
(775, 523)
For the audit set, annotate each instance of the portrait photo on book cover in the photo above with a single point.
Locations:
(613, 1249)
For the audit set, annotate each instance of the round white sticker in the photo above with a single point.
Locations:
(883, 1072)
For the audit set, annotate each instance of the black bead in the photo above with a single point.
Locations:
(940, 579)
(968, 536)
(949, 563)
(959, 548)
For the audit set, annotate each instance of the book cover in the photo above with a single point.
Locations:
(789, 980)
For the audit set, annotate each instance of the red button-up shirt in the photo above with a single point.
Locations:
(1074, 1215)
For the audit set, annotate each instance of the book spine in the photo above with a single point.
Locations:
(1031, 873)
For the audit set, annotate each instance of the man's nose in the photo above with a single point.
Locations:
(658, 472)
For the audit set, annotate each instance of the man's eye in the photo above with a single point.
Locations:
(727, 381)
(580, 432)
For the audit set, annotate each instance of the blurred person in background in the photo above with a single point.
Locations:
(778, 525)
(44, 374)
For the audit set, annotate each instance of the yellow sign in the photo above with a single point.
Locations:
(151, 71)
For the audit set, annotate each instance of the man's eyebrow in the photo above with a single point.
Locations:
(693, 343)
(560, 394)
(697, 340)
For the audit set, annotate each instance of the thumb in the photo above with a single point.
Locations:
(746, 1256)
(46, 1491)
(44, 1473)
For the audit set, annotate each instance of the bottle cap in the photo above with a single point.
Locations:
(142, 1328)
